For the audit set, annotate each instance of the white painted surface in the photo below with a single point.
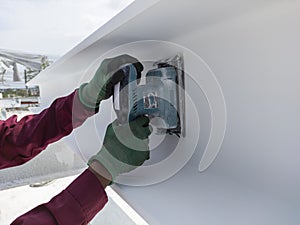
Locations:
(253, 49)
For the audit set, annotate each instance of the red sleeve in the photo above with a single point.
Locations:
(22, 140)
(76, 205)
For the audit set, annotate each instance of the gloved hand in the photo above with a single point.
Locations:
(125, 147)
(101, 86)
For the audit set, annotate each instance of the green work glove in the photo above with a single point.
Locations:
(125, 147)
(101, 86)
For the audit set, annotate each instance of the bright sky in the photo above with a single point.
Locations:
(52, 27)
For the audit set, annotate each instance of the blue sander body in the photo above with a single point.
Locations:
(160, 96)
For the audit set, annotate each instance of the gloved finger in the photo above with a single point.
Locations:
(140, 121)
(119, 61)
(147, 131)
(137, 158)
(140, 127)
(116, 77)
(139, 67)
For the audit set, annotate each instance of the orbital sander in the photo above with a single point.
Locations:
(160, 95)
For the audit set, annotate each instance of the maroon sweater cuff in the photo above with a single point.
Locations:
(80, 202)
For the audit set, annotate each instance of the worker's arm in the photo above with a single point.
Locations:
(85, 197)
(22, 140)
(76, 205)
